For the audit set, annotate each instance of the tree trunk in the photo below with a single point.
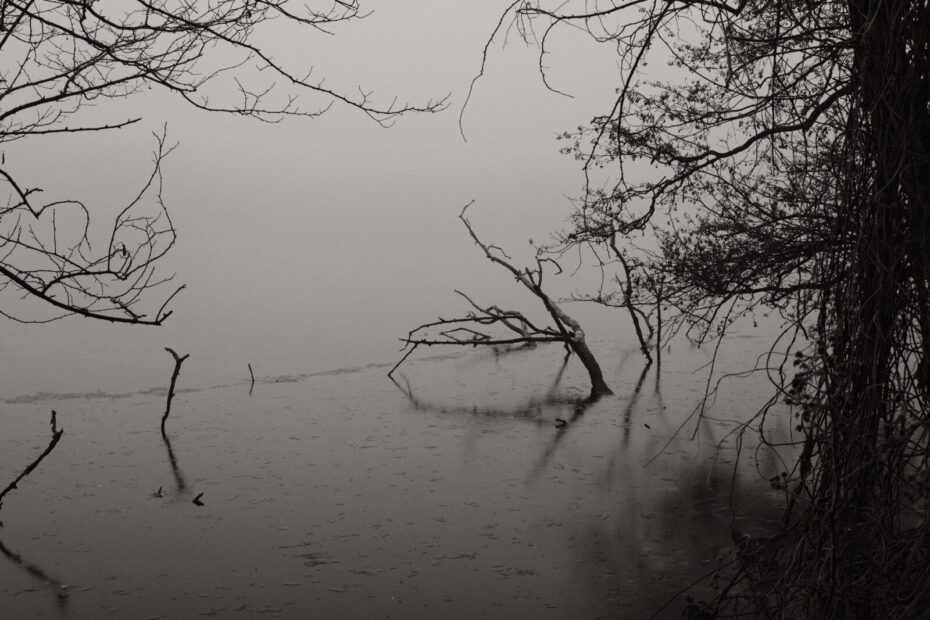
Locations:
(599, 387)
(883, 276)
(580, 348)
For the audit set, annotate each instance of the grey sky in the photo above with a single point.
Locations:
(314, 244)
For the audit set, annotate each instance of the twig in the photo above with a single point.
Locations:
(56, 435)
(403, 359)
(178, 360)
(251, 374)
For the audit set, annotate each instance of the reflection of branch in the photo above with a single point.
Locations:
(178, 360)
(580, 407)
(175, 469)
(61, 590)
(558, 376)
(56, 435)
(527, 411)
(634, 398)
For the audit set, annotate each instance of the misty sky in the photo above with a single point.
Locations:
(315, 244)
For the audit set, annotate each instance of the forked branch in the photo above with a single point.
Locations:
(178, 360)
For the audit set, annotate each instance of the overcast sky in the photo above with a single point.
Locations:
(315, 244)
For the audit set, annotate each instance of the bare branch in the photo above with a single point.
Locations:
(56, 436)
(178, 360)
(475, 325)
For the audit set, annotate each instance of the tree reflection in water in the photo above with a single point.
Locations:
(677, 536)
(179, 483)
(57, 588)
(533, 409)
(667, 523)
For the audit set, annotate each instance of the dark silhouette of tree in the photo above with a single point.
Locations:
(779, 161)
(57, 58)
(477, 328)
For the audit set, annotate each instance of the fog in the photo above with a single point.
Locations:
(317, 243)
(481, 483)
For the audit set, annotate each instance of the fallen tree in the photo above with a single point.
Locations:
(494, 327)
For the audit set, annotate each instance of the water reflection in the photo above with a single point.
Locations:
(562, 427)
(536, 409)
(455, 493)
(663, 543)
(532, 409)
(634, 400)
(57, 589)
(179, 483)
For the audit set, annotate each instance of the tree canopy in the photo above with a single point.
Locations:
(58, 58)
(774, 156)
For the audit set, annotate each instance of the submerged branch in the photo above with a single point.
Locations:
(56, 435)
(178, 360)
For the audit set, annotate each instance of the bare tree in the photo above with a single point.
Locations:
(781, 164)
(474, 329)
(59, 57)
(57, 264)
